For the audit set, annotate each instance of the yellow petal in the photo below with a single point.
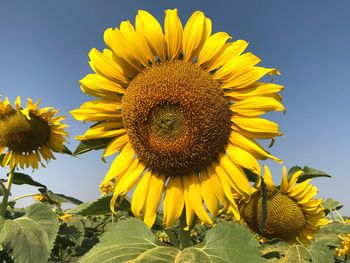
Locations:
(270, 186)
(137, 44)
(236, 81)
(217, 187)
(139, 196)
(212, 47)
(126, 182)
(120, 163)
(308, 195)
(294, 179)
(194, 35)
(18, 103)
(236, 66)
(257, 89)
(98, 110)
(115, 145)
(188, 207)
(105, 66)
(173, 33)
(173, 201)
(256, 106)
(256, 127)
(284, 184)
(250, 145)
(149, 27)
(154, 197)
(98, 86)
(230, 51)
(120, 45)
(240, 182)
(103, 130)
(192, 186)
(208, 193)
(243, 158)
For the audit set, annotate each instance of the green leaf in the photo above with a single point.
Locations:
(226, 242)
(66, 150)
(329, 234)
(293, 170)
(310, 173)
(99, 207)
(60, 198)
(21, 178)
(331, 204)
(89, 145)
(128, 240)
(31, 237)
(73, 230)
(131, 240)
(296, 253)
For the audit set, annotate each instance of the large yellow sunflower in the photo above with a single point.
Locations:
(292, 212)
(183, 111)
(29, 134)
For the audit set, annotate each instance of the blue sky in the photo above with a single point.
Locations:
(44, 47)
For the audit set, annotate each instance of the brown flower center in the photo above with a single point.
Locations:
(22, 135)
(176, 116)
(285, 218)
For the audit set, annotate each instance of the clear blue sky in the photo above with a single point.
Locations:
(44, 47)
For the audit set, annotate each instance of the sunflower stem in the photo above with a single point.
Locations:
(184, 232)
(24, 196)
(7, 192)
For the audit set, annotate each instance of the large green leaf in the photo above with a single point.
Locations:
(60, 198)
(21, 178)
(329, 234)
(131, 240)
(89, 145)
(123, 241)
(310, 173)
(283, 252)
(226, 242)
(31, 237)
(99, 207)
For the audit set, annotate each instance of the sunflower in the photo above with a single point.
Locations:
(344, 248)
(292, 212)
(182, 108)
(29, 134)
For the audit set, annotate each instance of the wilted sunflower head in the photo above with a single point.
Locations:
(29, 134)
(182, 107)
(292, 212)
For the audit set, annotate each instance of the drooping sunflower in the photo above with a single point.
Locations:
(29, 134)
(182, 108)
(293, 214)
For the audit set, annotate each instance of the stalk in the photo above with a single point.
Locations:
(184, 235)
(7, 192)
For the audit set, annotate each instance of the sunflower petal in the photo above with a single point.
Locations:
(192, 186)
(208, 193)
(139, 196)
(154, 197)
(173, 33)
(270, 186)
(149, 27)
(173, 201)
(212, 47)
(194, 36)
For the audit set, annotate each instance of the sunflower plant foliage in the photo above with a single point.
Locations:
(181, 110)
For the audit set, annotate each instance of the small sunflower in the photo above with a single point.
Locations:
(344, 248)
(29, 134)
(292, 212)
(182, 108)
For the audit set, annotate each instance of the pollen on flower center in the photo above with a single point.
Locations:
(285, 219)
(22, 135)
(177, 117)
